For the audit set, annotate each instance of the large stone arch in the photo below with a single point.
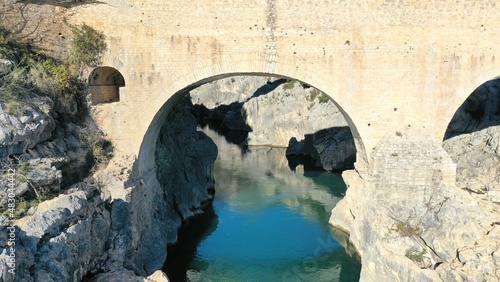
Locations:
(143, 185)
(147, 149)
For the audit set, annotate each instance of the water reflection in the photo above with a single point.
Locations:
(268, 223)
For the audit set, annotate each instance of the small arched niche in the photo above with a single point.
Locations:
(105, 83)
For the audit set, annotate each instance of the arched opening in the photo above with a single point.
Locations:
(472, 140)
(479, 111)
(194, 201)
(105, 83)
(146, 152)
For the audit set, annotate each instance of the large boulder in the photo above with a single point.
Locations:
(38, 174)
(62, 240)
(332, 149)
(478, 161)
(24, 129)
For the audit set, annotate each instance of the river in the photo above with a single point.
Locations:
(267, 223)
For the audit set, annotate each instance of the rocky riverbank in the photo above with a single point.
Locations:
(48, 160)
(68, 231)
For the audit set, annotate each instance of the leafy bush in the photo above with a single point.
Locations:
(313, 94)
(87, 47)
(323, 98)
(289, 85)
(13, 90)
(416, 256)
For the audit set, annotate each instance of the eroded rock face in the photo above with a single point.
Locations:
(26, 128)
(185, 159)
(62, 240)
(277, 112)
(229, 90)
(478, 161)
(410, 222)
(274, 110)
(332, 149)
(146, 217)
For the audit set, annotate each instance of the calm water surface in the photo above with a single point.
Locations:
(267, 223)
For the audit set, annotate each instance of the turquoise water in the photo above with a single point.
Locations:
(267, 223)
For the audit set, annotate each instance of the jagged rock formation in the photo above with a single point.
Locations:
(331, 148)
(23, 130)
(229, 90)
(55, 238)
(478, 162)
(146, 217)
(185, 158)
(410, 222)
(273, 110)
(62, 239)
(84, 231)
(51, 165)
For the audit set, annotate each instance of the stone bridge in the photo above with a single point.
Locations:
(388, 64)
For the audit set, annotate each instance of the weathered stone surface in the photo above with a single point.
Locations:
(63, 240)
(70, 255)
(331, 148)
(19, 132)
(229, 90)
(157, 276)
(146, 215)
(302, 109)
(49, 216)
(408, 214)
(185, 159)
(37, 174)
(478, 161)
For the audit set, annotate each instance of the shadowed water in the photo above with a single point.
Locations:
(267, 223)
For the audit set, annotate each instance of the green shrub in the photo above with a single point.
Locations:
(42, 74)
(313, 94)
(289, 85)
(323, 98)
(87, 47)
(416, 256)
(405, 229)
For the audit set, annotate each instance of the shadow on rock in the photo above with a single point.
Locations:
(479, 111)
(332, 149)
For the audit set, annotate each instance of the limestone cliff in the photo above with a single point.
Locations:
(185, 160)
(29, 124)
(410, 222)
(146, 215)
(276, 112)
